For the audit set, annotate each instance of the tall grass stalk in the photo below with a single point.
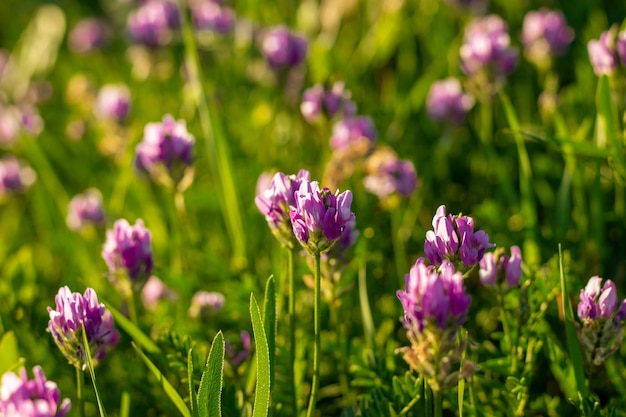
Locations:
(317, 325)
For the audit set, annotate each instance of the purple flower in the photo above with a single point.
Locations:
(283, 49)
(433, 297)
(165, 151)
(85, 208)
(596, 302)
(312, 102)
(113, 102)
(211, 15)
(74, 312)
(317, 100)
(37, 397)
(499, 268)
(274, 202)
(152, 23)
(246, 349)
(607, 53)
(387, 174)
(446, 101)
(319, 217)
(486, 47)
(453, 239)
(88, 35)
(15, 176)
(545, 34)
(350, 130)
(128, 250)
(154, 291)
(206, 302)
(9, 125)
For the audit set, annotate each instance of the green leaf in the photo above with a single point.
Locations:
(125, 404)
(269, 318)
(210, 391)
(192, 388)
(570, 333)
(9, 353)
(92, 373)
(262, 392)
(172, 394)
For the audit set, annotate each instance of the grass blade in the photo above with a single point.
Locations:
(570, 333)
(92, 372)
(125, 404)
(192, 389)
(269, 318)
(262, 391)
(171, 393)
(209, 394)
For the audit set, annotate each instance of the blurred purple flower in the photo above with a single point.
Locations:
(37, 397)
(453, 239)
(73, 312)
(85, 208)
(165, 151)
(152, 22)
(607, 53)
(206, 302)
(498, 268)
(317, 100)
(487, 47)
(350, 130)
(88, 35)
(128, 250)
(446, 101)
(15, 176)
(246, 349)
(9, 125)
(545, 34)
(113, 102)
(154, 291)
(211, 15)
(283, 49)
(274, 200)
(32, 123)
(387, 174)
(319, 217)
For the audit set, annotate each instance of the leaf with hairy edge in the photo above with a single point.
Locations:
(192, 388)
(262, 392)
(209, 399)
(269, 317)
(165, 384)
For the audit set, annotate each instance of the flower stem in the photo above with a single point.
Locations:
(507, 345)
(292, 328)
(80, 387)
(438, 403)
(317, 330)
(428, 400)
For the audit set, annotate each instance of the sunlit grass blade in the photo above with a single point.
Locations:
(528, 206)
(269, 318)
(210, 391)
(92, 373)
(171, 393)
(125, 404)
(9, 353)
(193, 399)
(570, 333)
(262, 391)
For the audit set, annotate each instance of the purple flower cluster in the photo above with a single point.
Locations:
(319, 217)
(317, 101)
(113, 102)
(453, 239)
(603, 326)
(447, 102)
(37, 397)
(212, 15)
(274, 201)
(74, 312)
(165, 151)
(487, 47)
(351, 130)
(128, 250)
(88, 35)
(497, 268)
(15, 176)
(387, 174)
(545, 34)
(155, 290)
(434, 297)
(85, 208)
(608, 53)
(153, 22)
(206, 302)
(283, 49)
(246, 349)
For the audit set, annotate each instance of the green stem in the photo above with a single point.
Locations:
(366, 312)
(428, 400)
(438, 403)
(132, 308)
(292, 329)
(341, 353)
(80, 388)
(399, 248)
(317, 333)
(507, 342)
